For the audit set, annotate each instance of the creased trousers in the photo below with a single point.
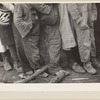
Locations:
(86, 42)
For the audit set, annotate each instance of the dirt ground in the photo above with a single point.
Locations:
(12, 76)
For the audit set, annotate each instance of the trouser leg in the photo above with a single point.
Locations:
(13, 52)
(20, 50)
(30, 43)
(84, 43)
(42, 46)
(54, 46)
(54, 43)
(93, 47)
(97, 41)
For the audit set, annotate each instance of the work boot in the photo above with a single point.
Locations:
(95, 62)
(89, 68)
(7, 65)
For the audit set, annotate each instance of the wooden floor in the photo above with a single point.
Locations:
(12, 76)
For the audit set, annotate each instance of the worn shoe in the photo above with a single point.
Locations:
(95, 62)
(18, 67)
(89, 68)
(7, 65)
(62, 71)
(77, 68)
(53, 68)
(26, 74)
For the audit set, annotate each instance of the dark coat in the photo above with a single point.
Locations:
(6, 33)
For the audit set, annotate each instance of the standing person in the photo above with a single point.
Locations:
(6, 34)
(27, 23)
(21, 53)
(83, 16)
(49, 20)
(68, 39)
(29, 28)
(19, 45)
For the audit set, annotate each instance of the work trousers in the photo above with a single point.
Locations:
(31, 48)
(53, 42)
(20, 50)
(86, 42)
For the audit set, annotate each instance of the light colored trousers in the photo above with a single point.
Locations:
(86, 42)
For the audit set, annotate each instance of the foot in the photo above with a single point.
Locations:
(77, 68)
(95, 62)
(53, 68)
(62, 71)
(89, 68)
(59, 76)
(26, 74)
(17, 67)
(7, 65)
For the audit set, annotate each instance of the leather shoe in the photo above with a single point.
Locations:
(89, 68)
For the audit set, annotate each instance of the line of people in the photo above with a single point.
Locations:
(64, 26)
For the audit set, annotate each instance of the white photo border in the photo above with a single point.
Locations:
(62, 91)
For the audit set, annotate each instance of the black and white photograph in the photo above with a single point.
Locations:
(49, 43)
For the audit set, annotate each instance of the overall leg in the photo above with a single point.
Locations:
(16, 63)
(95, 61)
(32, 51)
(84, 45)
(20, 50)
(54, 47)
(30, 43)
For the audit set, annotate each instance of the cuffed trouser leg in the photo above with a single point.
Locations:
(54, 43)
(84, 43)
(54, 46)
